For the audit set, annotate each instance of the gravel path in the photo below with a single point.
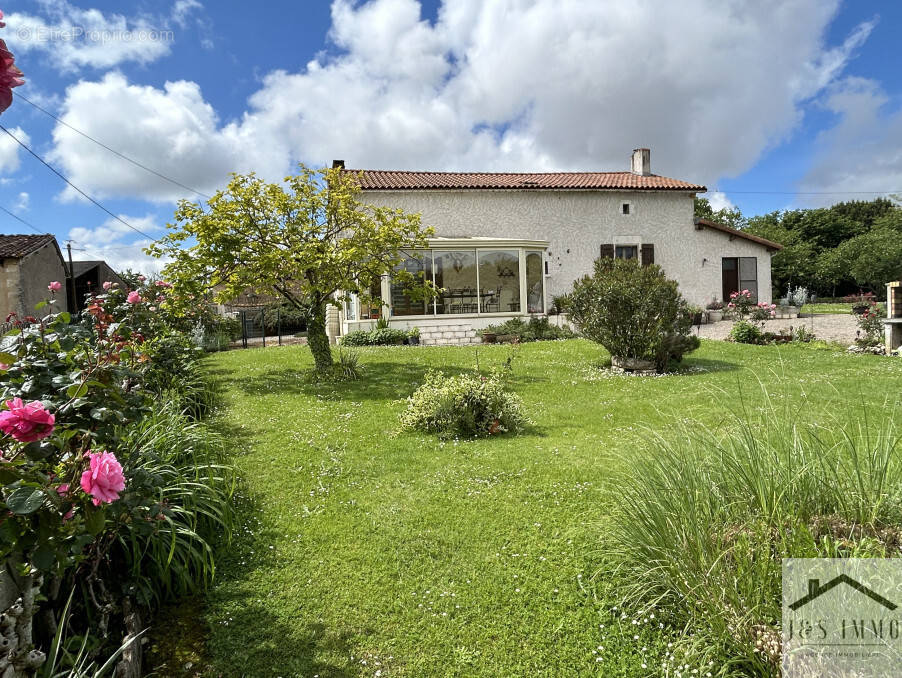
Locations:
(836, 327)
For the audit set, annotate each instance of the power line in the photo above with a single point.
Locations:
(112, 150)
(18, 218)
(76, 188)
(719, 190)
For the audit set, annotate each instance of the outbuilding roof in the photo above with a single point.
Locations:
(736, 233)
(18, 246)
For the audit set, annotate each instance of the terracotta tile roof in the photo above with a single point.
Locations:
(392, 180)
(16, 246)
(736, 233)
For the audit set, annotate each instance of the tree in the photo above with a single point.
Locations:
(308, 240)
(726, 216)
(872, 259)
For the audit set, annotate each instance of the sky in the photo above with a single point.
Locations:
(772, 104)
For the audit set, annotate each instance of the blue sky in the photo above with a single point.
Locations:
(775, 104)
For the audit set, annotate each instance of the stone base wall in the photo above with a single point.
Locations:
(442, 335)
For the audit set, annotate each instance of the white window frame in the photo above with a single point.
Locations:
(476, 245)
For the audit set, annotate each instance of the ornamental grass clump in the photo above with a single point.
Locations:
(464, 406)
(703, 518)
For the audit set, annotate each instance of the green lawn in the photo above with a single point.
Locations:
(830, 308)
(370, 554)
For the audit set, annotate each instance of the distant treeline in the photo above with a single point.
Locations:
(833, 251)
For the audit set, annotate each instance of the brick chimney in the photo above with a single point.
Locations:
(641, 163)
(338, 164)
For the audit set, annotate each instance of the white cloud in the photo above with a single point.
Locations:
(114, 242)
(182, 10)
(863, 152)
(719, 200)
(9, 150)
(173, 131)
(22, 201)
(545, 84)
(74, 38)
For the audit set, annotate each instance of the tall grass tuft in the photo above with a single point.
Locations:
(183, 462)
(703, 517)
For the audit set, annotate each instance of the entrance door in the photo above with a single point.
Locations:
(730, 277)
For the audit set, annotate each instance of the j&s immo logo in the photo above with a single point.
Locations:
(841, 617)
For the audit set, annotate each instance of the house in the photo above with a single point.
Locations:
(28, 263)
(506, 244)
(89, 276)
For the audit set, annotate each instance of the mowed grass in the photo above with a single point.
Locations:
(837, 308)
(371, 554)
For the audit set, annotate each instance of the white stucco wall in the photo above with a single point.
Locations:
(577, 223)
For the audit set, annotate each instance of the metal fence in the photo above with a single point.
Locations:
(259, 326)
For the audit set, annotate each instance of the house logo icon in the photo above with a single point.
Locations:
(815, 590)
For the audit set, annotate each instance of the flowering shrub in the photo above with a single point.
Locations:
(870, 325)
(73, 497)
(762, 311)
(741, 303)
(467, 405)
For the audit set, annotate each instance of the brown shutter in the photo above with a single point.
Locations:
(607, 251)
(648, 254)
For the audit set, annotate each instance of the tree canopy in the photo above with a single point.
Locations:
(309, 240)
(833, 250)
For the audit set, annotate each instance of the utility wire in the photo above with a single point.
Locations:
(727, 190)
(112, 150)
(18, 218)
(76, 188)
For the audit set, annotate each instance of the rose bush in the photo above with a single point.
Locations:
(84, 502)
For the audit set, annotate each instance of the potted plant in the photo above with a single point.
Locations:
(413, 336)
(715, 311)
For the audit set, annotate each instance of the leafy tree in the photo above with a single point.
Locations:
(728, 217)
(872, 259)
(309, 240)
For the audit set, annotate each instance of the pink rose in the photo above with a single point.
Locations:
(104, 480)
(62, 489)
(141, 278)
(26, 423)
(3, 367)
(55, 286)
(133, 298)
(107, 285)
(163, 283)
(10, 76)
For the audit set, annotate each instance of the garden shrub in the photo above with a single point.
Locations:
(536, 329)
(703, 518)
(870, 325)
(633, 311)
(744, 332)
(91, 500)
(465, 406)
(381, 336)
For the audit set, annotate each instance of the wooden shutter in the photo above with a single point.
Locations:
(648, 254)
(607, 251)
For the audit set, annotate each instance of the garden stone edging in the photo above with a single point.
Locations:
(632, 365)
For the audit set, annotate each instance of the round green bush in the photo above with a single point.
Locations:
(744, 332)
(633, 311)
(466, 406)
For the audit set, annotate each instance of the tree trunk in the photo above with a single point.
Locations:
(318, 340)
